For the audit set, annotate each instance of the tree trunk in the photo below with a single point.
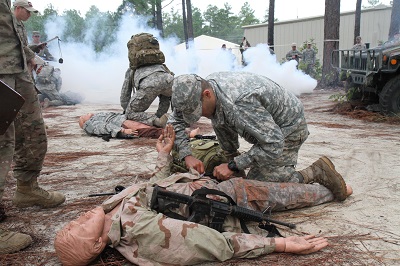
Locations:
(331, 42)
(271, 21)
(357, 21)
(395, 19)
(185, 24)
(159, 20)
(189, 21)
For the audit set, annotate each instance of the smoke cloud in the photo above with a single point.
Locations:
(99, 77)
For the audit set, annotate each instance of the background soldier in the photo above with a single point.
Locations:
(359, 44)
(44, 53)
(294, 54)
(309, 59)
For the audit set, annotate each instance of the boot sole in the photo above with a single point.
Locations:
(30, 204)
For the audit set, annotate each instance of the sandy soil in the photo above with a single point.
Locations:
(363, 230)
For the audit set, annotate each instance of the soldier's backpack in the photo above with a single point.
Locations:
(206, 150)
(144, 49)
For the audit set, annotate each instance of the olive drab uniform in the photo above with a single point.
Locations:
(138, 233)
(30, 139)
(12, 64)
(150, 82)
(264, 114)
(294, 55)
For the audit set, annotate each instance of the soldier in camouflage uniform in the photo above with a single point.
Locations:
(309, 59)
(49, 82)
(359, 45)
(126, 223)
(255, 108)
(27, 134)
(150, 81)
(44, 53)
(294, 54)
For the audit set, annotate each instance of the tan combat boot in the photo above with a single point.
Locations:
(29, 194)
(11, 242)
(323, 172)
(161, 122)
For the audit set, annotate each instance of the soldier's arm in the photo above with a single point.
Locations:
(181, 140)
(127, 88)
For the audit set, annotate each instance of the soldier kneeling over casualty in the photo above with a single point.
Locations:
(144, 237)
(150, 77)
(118, 126)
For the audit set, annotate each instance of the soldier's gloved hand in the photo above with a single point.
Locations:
(222, 172)
(192, 162)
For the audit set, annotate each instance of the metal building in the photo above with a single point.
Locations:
(374, 27)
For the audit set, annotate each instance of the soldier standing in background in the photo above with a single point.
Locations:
(25, 138)
(44, 53)
(309, 59)
(359, 44)
(294, 54)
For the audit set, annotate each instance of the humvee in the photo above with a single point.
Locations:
(375, 72)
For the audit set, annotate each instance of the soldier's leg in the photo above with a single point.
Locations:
(163, 105)
(9, 241)
(165, 81)
(140, 102)
(283, 168)
(30, 150)
(258, 195)
(6, 143)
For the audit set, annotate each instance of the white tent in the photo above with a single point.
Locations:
(206, 43)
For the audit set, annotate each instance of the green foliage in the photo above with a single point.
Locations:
(98, 29)
(344, 97)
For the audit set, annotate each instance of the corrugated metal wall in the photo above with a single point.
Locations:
(375, 24)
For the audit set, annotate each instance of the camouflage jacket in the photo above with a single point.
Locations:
(253, 107)
(291, 53)
(24, 38)
(132, 81)
(359, 46)
(309, 56)
(104, 124)
(12, 56)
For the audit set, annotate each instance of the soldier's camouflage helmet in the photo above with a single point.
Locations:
(186, 97)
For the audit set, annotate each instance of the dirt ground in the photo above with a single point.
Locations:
(362, 230)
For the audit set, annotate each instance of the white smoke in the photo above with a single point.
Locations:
(99, 77)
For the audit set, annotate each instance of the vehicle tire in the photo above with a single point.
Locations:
(389, 98)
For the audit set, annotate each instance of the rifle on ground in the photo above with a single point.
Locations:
(117, 189)
(200, 207)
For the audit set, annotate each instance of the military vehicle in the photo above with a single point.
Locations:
(374, 74)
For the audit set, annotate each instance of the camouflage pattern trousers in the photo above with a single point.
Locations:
(282, 169)
(28, 144)
(155, 85)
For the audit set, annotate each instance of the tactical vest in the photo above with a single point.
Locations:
(206, 150)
